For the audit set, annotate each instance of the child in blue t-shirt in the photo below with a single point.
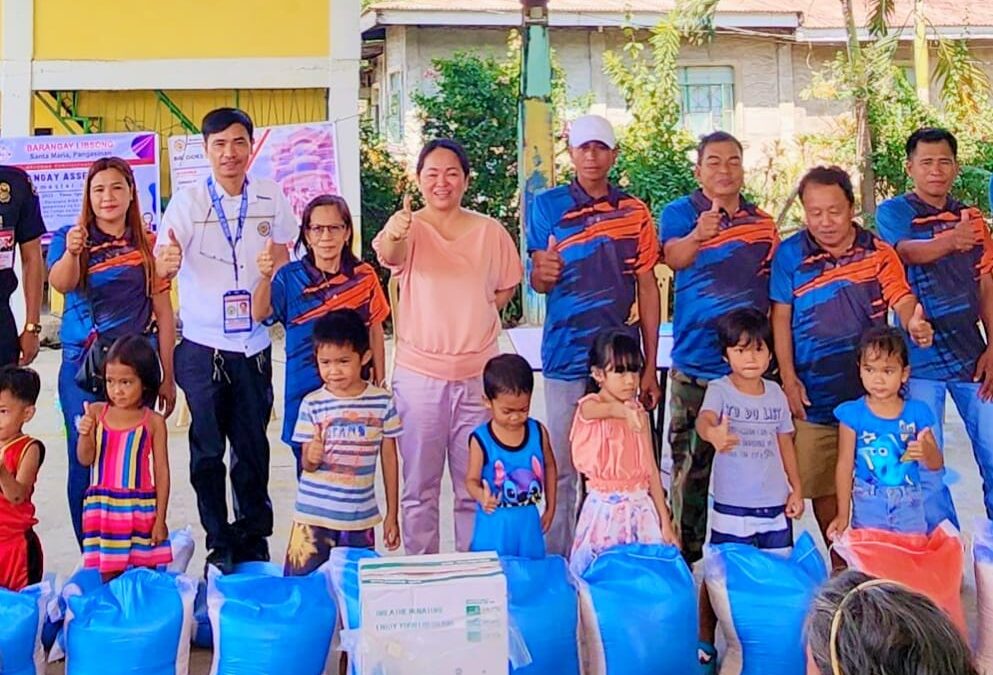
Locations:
(511, 466)
(883, 438)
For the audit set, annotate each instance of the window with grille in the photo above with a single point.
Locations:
(707, 94)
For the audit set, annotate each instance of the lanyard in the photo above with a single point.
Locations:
(222, 218)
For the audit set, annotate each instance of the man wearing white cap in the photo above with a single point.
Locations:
(593, 251)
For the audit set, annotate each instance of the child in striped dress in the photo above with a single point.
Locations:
(124, 441)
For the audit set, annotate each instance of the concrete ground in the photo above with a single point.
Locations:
(62, 555)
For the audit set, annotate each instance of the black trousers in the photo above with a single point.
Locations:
(10, 345)
(230, 400)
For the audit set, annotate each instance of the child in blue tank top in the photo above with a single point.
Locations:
(511, 466)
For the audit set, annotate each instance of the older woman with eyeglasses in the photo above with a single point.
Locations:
(327, 276)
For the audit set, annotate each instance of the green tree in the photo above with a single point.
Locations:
(654, 154)
(475, 100)
(894, 110)
(384, 181)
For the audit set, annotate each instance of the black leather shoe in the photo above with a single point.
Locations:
(221, 559)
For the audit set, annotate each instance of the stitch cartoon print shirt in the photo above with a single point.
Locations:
(516, 475)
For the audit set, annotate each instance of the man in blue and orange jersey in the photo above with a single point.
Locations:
(720, 247)
(830, 282)
(948, 252)
(593, 250)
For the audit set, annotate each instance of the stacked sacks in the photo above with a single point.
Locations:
(267, 624)
(929, 564)
(982, 557)
(22, 619)
(639, 612)
(761, 601)
(139, 623)
(544, 608)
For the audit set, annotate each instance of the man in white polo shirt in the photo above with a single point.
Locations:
(210, 237)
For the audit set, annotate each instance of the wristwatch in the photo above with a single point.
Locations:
(34, 328)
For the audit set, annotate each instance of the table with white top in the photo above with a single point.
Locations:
(527, 343)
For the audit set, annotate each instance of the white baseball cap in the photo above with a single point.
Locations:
(591, 128)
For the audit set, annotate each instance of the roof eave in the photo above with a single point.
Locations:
(840, 35)
(559, 19)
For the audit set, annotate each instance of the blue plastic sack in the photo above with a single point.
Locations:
(183, 547)
(83, 580)
(761, 600)
(343, 568)
(544, 606)
(139, 622)
(270, 625)
(982, 557)
(639, 612)
(202, 635)
(22, 618)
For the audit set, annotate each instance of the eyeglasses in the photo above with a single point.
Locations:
(320, 230)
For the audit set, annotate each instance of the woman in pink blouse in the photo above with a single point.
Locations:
(456, 268)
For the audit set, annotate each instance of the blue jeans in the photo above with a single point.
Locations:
(894, 509)
(71, 399)
(978, 418)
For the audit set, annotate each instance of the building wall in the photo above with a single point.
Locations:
(771, 77)
(768, 75)
(114, 30)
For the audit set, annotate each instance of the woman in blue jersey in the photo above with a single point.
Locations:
(327, 276)
(105, 268)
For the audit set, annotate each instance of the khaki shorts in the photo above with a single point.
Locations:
(817, 456)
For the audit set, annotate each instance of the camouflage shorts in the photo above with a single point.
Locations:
(692, 459)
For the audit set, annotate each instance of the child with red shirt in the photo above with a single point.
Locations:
(20, 458)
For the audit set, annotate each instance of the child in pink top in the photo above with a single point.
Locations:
(612, 449)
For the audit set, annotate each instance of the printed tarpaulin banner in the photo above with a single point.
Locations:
(301, 158)
(58, 165)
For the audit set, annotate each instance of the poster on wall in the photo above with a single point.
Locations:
(58, 165)
(301, 158)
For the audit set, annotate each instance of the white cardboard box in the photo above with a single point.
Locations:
(437, 614)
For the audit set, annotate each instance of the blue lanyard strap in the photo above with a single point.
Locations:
(222, 218)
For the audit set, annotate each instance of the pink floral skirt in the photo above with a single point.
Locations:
(611, 519)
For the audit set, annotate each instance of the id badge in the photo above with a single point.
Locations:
(237, 312)
(6, 248)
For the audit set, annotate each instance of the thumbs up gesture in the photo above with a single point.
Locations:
(547, 265)
(490, 501)
(924, 448)
(721, 437)
(169, 258)
(76, 240)
(87, 423)
(708, 225)
(964, 235)
(398, 226)
(313, 450)
(920, 328)
(264, 261)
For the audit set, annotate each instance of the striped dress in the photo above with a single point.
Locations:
(119, 507)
